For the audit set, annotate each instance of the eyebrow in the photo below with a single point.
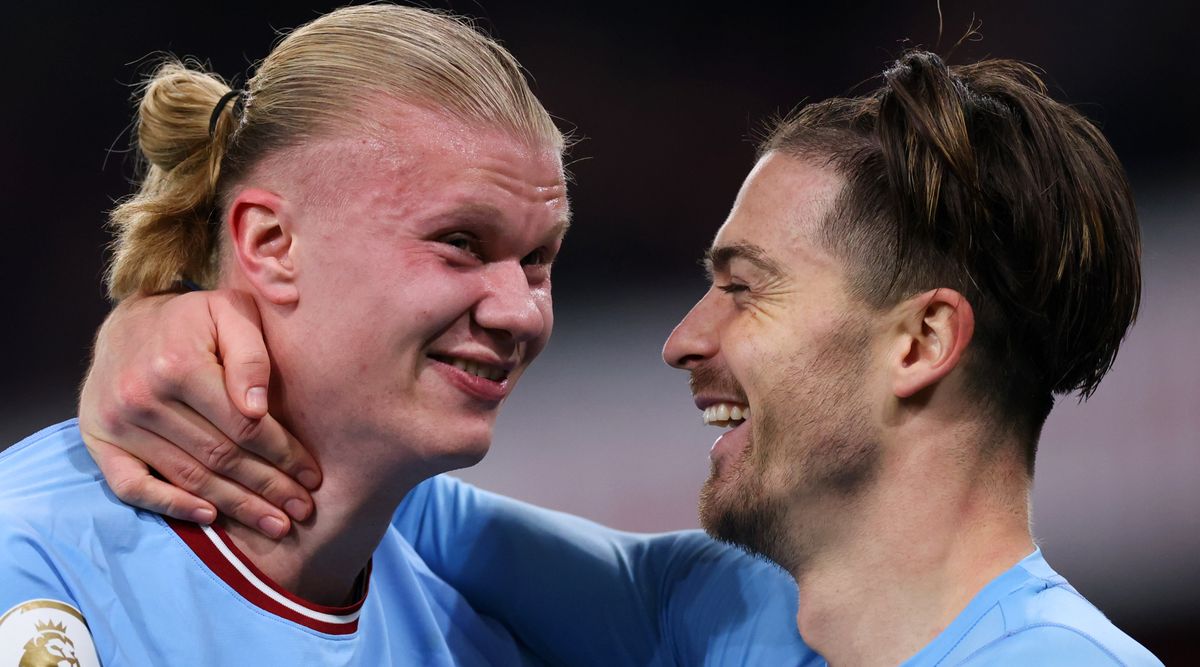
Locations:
(489, 213)
(718, 258)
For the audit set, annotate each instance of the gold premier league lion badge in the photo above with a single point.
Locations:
(46, 633)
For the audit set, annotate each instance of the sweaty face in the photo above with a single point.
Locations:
(423, 251)
(779, 352)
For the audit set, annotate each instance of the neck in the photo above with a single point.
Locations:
(922, 542)
(321, 558)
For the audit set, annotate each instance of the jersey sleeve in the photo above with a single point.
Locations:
(39, 618)
(582, 594)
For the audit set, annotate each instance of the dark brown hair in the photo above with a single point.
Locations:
(973, 178)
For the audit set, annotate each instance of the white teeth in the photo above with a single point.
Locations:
(480, 370)
(726, 414)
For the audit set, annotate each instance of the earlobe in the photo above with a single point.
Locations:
(935, 329)
(263, 244)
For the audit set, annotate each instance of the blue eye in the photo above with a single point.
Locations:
(463, 241)
(535, 258)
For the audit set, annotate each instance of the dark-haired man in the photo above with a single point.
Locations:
(904, 282)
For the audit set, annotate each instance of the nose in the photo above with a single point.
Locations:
(509, 305)
(694, 339)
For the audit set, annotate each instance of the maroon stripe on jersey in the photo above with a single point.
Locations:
(200, 544)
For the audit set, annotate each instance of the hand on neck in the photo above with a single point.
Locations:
(321, 559)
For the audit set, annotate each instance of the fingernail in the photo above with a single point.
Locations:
(204, 516)
(256, 398)
(309, 479)
(296, 508)
(272, 526)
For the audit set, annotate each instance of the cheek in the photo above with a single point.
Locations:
(751, 354)
(544, 300)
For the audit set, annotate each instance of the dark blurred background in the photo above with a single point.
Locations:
(664, 97)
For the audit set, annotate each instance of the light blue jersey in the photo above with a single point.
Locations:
(1030, 616)
(580, 594)
(684, 599)
(84, 575)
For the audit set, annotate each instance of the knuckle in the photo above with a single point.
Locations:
(269, 488)
(240, 507)
(110, 418)
(171, 507)
(191, 475)
(129, 489)
(169, 369)
(254, 358)
(134, 401)
(246, 429)
(220, 454)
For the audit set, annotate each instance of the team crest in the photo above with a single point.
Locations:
(46, 633)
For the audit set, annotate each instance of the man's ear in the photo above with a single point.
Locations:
(934, 330)
(262, 231)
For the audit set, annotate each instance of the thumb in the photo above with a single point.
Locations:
(243, 353)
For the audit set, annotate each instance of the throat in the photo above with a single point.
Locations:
(322, 559)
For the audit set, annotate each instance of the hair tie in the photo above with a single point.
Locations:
(212, 120)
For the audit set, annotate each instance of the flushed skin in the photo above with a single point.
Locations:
(891, 378)
(390, 197)
(441, 236)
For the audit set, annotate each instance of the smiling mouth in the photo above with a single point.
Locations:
(485, 371)
(726, 414)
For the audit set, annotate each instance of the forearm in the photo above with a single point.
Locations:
(576, 592)
(582, 594)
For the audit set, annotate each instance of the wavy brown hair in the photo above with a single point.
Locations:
(974, 178)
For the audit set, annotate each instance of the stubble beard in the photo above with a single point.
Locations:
(810, 452)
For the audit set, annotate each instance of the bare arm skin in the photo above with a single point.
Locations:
(162, 374)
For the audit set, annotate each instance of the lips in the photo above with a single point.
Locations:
(490, 371)
(731, 443)
(484, 382)
(726, 411)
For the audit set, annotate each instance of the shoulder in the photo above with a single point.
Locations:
(45, 632)
(1061, 645)
(49, 484)
(1047, 622)
(56, 514)
(44, 487)
(49, 462)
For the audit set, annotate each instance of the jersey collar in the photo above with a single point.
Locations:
(214, 547)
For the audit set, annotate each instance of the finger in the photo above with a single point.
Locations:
(131, 481)
(181, 430)
(204, 392)
(240, 346)
(229, 498)
(213, 449)
(277, 446)
(200, 383)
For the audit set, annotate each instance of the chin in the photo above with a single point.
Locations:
(463, 450)
(734, 509)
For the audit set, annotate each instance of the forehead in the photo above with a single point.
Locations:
(779, 208)
(405, 157)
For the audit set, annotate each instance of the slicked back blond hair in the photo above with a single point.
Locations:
(323, 76)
